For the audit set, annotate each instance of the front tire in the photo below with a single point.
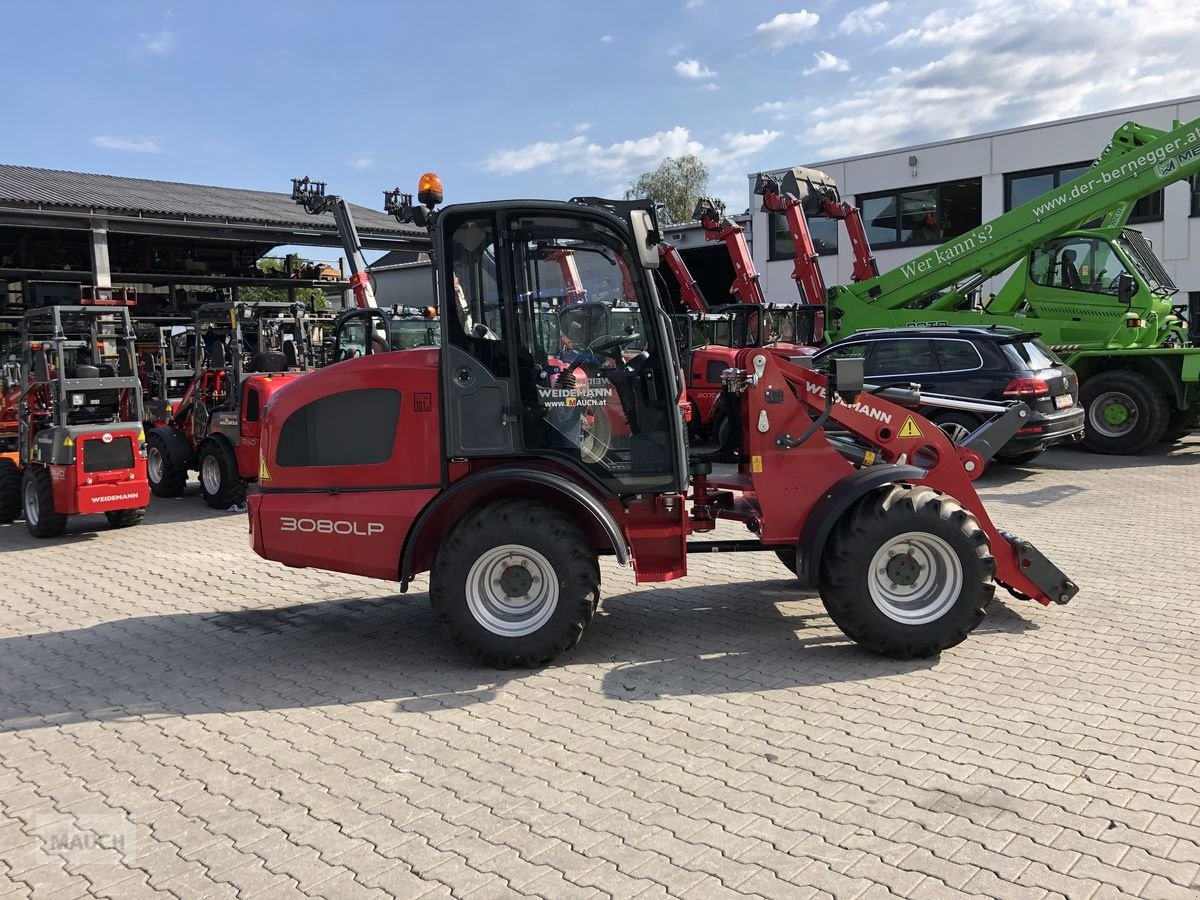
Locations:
(10, 491)
(37, 493)
(1126, 412)
(516, 584)
(220, 482)
(907, 573)
(124, 518)
(166, 479)
(957, 425)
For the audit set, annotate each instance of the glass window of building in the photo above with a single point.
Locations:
(927, 215)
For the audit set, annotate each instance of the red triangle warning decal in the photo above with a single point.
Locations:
(909, 429)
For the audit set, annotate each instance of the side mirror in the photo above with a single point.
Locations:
(1126, 288)
(646, 237)
(846, 375)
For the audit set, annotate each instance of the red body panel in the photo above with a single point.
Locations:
(80, 492)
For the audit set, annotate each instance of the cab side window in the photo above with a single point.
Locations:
(473, 304)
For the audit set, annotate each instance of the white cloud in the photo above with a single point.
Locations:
(693, 4)
(1002, 63)
(691, 68)
(865, 20)
(127, 145)
(362, 162)
(623, 160)
(606, 38)
(582, 127)
(787, 28)
(158, 44)
(827, 62)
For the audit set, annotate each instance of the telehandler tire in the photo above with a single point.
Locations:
(37, 494)
(907, 572)
(166, 479)
(220, 482)
(10, 491)
(1126, 412)
(515, 584)
(124, 518)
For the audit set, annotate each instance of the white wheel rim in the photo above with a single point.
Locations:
(915, 578)
(956, 431)
(210, 475)
(1095, 414)
(154, 466)
(512, 590)
(33, 510)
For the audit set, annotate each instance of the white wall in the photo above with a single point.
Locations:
(1176, 239)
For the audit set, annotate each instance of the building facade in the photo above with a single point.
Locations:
(917, 197)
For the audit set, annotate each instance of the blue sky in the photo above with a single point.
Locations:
(553, 99)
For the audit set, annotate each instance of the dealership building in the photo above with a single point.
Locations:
(916, 197)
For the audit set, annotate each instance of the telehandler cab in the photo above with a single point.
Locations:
(73, 417)
(474, 461)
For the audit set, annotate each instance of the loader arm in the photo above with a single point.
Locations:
(783, 400)
(717, 227)
(311, 195)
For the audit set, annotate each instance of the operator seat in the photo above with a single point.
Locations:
(1070, 274)
(271, 361)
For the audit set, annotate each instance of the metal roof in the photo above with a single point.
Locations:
(53, 190)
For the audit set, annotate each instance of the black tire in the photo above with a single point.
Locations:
(788, 558)
(166, 479)
(37, 504)
(10, 491)
(1108, 395)
(124, 518)
(548, 547)
(954, 422)
(943, 535)
(1018, 459)
(222, 487)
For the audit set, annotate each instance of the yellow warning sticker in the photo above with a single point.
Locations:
(263, 474)
(909, 429)
(756, 465)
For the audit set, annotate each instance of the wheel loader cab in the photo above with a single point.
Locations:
(599, 391)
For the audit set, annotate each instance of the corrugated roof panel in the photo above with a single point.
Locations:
(26, 186)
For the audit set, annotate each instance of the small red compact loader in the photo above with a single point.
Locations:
(73, 417)
(245, 353)
(505, 475)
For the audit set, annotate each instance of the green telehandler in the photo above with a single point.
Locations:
(1099, 296)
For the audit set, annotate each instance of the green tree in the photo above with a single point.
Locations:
(274, 267)
(676, 185)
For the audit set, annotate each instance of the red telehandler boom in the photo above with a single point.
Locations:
(471, 462)
(311, 195)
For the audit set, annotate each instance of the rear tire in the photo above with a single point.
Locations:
(1126, 412)
(124, 518)
(166, 479)
(10, 491)
(220, 482)
(907, 572)
(957, 425)
(515, 584)
(37, 492)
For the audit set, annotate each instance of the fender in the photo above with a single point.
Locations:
(827, 511)
(177, 447)
(509, 475)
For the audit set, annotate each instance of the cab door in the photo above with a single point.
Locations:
(603, 398)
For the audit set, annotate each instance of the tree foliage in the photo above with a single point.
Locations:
(676, 185)
(314, 298)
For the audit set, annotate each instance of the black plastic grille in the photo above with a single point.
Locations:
(101, 457)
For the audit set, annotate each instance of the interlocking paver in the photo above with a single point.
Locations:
(267, 731)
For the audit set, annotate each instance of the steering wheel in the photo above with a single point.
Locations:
(482, 331)
(603, 347)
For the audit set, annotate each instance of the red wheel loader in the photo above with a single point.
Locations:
(474, 461)
(72, 419)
